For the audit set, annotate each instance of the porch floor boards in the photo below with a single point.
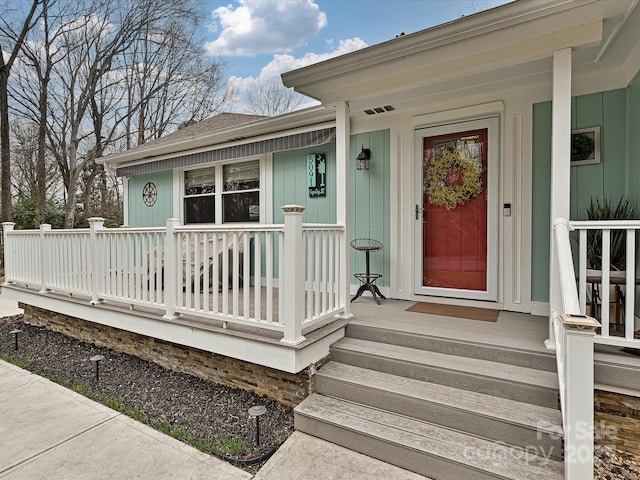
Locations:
(515, 330)
(521, 331)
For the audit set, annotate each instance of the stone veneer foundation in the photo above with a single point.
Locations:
(286, 388)
(617, 421)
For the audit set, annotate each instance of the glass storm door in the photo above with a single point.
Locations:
(456, 214)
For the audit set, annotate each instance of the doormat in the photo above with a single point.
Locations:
(470, 313)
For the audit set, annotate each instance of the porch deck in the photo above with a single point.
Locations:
(614, 369)
(518, 331)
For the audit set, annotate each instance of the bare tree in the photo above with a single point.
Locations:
(11, 41)
(89, 112)
(98, 76)
(25, 152)
(169, 82)
(38, 61)
(272, 98)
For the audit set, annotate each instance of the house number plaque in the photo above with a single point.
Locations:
(317, 175)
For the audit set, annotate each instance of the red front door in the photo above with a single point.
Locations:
(454, 222)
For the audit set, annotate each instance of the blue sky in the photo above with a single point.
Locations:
(260, 39)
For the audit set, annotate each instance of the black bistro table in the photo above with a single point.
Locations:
(367, 279)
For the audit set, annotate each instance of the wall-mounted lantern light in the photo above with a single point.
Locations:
(363, 158)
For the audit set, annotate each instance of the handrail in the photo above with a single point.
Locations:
(573, 335)
(248, 274)
(568, 288)
(604, 224)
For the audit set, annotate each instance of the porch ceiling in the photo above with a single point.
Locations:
(502, 47)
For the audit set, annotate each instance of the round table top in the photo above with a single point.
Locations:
(366, 244)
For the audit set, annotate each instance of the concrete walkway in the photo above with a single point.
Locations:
(50, 432)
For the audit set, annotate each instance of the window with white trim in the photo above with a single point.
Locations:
(223, 193)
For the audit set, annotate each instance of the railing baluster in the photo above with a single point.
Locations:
(630, 288)
(235, 271)
(605, 284)
(215, 256)
(310, 264)
(281, 274)
(269, 267)
(198, 266)
(317, 285)
(246, 275)
(206, 267)
(325, 269)
(225, 274)
(257, 276)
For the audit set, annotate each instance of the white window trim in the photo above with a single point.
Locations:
(266, 173)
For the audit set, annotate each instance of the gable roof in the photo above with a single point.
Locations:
(217, 122)
(225, 135)
(510, 45)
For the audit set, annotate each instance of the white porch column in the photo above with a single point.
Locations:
(44, 258)
(95, 224)
(293, 276)
(576, 379)
(560, 169)
(9, 252)
(170, 275)
(343, 134)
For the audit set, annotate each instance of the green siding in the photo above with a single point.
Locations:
(633, 139)
(290, 185)
(541, 206)
(140, 215)
(369, 197)
(618, 160)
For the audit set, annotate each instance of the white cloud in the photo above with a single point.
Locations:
(255, 27)
(283, 63)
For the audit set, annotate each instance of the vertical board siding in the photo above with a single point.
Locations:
(290, 184)
(633, 139)
(369, 194)
(614, 111)
(140, 215)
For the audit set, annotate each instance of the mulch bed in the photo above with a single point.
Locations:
(211, 416)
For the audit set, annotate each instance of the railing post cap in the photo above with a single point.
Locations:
(8, 225)
(579, 322)
(293, 209)
(96, 220)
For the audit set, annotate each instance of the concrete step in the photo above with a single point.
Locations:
(514, 382)
(422, 447)
(513, 356)
(503, 420)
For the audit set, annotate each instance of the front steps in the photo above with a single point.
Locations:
(439, 407)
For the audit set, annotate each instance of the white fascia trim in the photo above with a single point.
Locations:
(465, 28)
(632, 64)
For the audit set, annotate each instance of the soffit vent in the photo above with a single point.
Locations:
(376, 110)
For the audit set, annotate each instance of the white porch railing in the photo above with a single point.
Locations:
(572, 334)
(615, 291)
(277, 277)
